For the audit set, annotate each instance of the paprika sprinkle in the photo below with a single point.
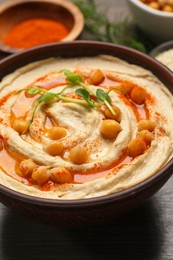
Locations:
(34, 32)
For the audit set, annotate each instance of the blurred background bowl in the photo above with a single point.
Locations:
(94, 210)
(164, 54)
(155, 23)
(14, 12)
(161, 48)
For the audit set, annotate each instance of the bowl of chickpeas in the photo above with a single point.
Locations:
(155, 18)
(85, 111)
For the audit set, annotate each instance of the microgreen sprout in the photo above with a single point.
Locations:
(86, 96)
(77, 80)
(104, 98)
(73, 78)
(84, 91)
(35, 90)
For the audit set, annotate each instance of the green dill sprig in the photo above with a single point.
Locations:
(101, 28)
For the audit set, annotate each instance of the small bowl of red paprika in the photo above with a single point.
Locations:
(28, 23)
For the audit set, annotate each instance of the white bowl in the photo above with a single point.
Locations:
(156, 24)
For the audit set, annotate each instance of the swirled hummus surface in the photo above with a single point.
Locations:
(82, 127)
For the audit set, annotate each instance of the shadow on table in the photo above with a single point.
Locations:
(135, 236)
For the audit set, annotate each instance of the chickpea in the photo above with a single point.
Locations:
(147, 136)
(138, 95)
(55, 148)
(79, 73)
(154, 5)
(136, 147)
(125, 87)
(163, 5)
(167, 8)
(61, 175)
(110, 129)
(78, 155)
(20, 126)
(146, 125)
(57, 132)
(26, 167)
(95, 77)
(109, 115)
(170, 2)
(41, 175)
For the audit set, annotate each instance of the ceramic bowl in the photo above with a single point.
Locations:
(162, 53)
(17, 11)
(94, 210)
(156, 24)
(161, 48)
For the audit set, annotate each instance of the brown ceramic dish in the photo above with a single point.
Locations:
(94, 210)
(17, 11)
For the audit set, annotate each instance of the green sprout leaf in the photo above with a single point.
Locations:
(73, 78)
(33, 91)
(77, 80)
(48, 98)
(86, 96)
(85, 91)
(102, 96)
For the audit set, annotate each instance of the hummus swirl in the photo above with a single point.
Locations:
(109, 167)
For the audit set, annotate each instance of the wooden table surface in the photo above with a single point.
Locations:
(145, 234)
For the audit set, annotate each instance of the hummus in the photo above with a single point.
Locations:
(166, 58)
(82, 127)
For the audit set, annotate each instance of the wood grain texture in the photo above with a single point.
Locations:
(145, 234)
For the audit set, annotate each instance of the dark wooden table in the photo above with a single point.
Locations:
(145, 234)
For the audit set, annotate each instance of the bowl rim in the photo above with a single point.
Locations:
(121, 195)
(69, 6)
(101, 200)
(161, 48)
(150, 10)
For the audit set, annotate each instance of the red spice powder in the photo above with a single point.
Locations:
(34, 32)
